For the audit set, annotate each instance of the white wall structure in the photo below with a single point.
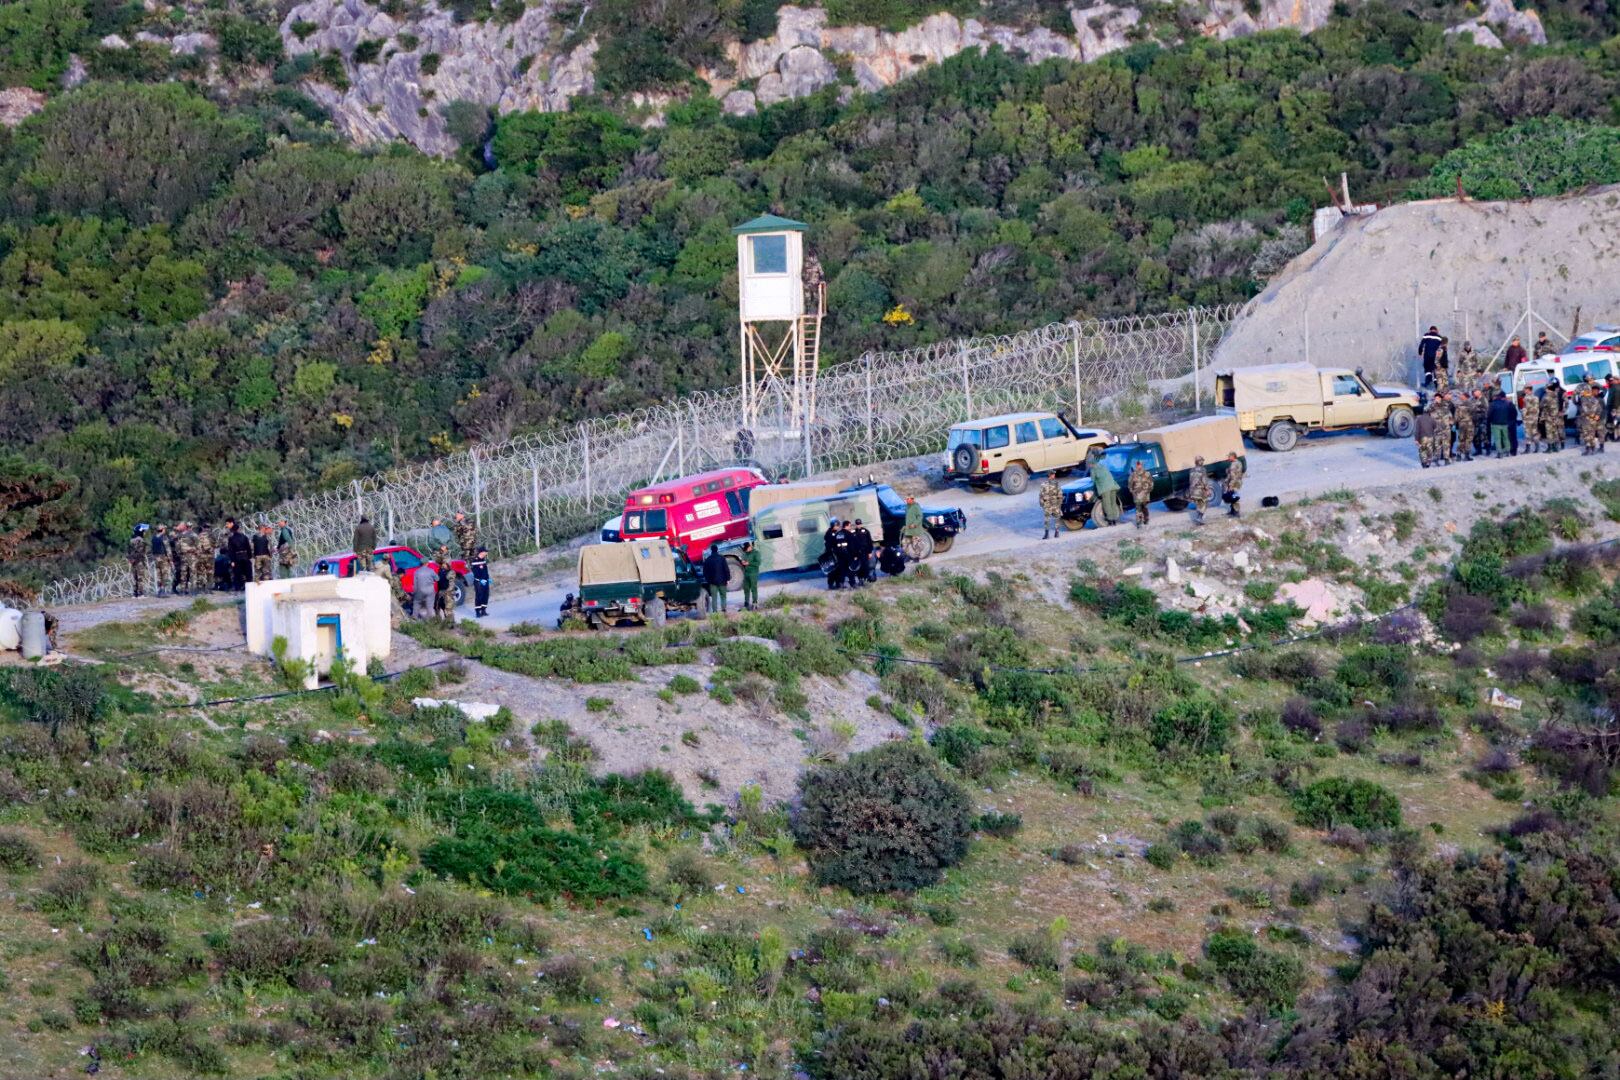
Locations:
(321, 617)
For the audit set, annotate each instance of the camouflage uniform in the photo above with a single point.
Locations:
(138, 551)
(1463, 417)
(1552, 421)
(1468, 366)
(1140, 485)
(1234, 485)
(1199, 491)
(1481, 409)
(1530, 413)
(1440, 451)
(1051, 507)
(286, 554)
(466, 537)
(1591, 422)
(185, 557)
(261, 563)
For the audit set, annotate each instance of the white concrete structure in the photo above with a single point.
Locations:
(781, 333)
(321, 618)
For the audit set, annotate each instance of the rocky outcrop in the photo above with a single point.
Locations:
(18, 103)
(427, 61)
(419, 63)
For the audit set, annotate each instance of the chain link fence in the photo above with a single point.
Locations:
(537, 489)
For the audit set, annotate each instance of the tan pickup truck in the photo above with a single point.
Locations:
(1273, 403)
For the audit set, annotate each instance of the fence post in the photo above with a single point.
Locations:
(680, 447)
(359, 504)
(1198, 391)
(534, 496)
(967, 383)
(1074, 352)
(868, 401)
(393, 536)
(585, 453)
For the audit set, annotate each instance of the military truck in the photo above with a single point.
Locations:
(792, 535)
(1274, 403)
(617, 581)
(1168, 453)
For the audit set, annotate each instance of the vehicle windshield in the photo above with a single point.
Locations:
(638, 522)
(890, 499)
(405, 560)
(964, 437)
(1118, 459)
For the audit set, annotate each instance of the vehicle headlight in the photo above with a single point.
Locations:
(936, 519)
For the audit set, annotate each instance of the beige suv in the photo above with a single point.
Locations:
(1012, 448)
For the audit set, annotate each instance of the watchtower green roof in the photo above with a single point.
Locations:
(769, 223)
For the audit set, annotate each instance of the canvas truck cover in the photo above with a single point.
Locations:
(771, 494)
(647, 560)
(1209, 437)
(1274, 384)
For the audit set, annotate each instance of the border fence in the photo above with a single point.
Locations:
(537, 489)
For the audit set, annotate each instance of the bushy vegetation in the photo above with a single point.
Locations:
(885, 820)
(210, 303)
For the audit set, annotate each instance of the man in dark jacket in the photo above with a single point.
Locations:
(1544, 346)
(1502, 418)
(1428, 350)
(261, 554)
(860, 554)
(240, 549)
(1516, 355)
(479, 567)
(716, 578)
(833, 544)
(160, 560)
(1424, 432)
(364, 544)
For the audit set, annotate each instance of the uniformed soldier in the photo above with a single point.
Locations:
(479, 568)
(137, 559)
(286, 554)
(1468, 365)
(860, 555)
(184, 547)
(1552, 417)
(202, 559)
(913, 533)
(1199, 489)
(751, 560)
(1234, 483)
(1481, 408)
(364, 544)
(1423, 435)
(1106, 487)
(1530, 413)
(444, 600)
(1140, 483)
(261, 553)
(838, 546)
(1463, 418)
(396, 592)
(1051, 506)
(160, 559)
(466, 534)
(1440, 453)
(1591, 421)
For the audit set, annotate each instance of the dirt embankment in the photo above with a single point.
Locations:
(1363, 294)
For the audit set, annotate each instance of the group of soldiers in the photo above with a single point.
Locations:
(432, 586)
(1459, 424)
(1200, 492)
(182, 560)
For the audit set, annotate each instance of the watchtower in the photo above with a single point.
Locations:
(781, 307)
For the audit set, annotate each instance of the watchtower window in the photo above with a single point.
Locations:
(769, 254)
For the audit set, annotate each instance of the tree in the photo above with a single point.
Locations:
(40, 517)
(583, 150)
(38, 348)
(36, 37)
(145, 153)
(886, 819)
(1537, 158)
(395, 210)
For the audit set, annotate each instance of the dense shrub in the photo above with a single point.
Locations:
(1199, 722)
(1386, 668)
(1336, 800)
(1255, 974)
(537, 863)
(885, 819)
(17, 852)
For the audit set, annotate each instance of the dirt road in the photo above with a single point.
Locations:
(999, 524)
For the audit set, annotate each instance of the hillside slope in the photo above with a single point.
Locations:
(1466, 264)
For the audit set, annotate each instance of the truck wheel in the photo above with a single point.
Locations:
(1401, 423)
(593, 621)
(1015, 479)
(942, 544)
(734, 574)
(964, 458)
(1282, 436)
(919, 547)
(1098, 518)
(1073, 524)
(458, 592)
(1175, 504)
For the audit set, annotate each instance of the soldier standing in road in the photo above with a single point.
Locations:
(1140, 483)
(1613, 398)
(444, 599)
(1552, 417)
(137, 559)
(716, 579)
(261, 554)
(1106, 487)
(1530, 413)
(1051, 506)
(1234, 484)
(838, 548)
(160, 559)
(1591, 422)
(1441, 411)
(1423, 434)
(1482, 411)
(751, 560)
(466, 535)
(860, 555)
(1463, 417)
(1199, 489)
(479, 568)
(286, 555)
(184, 546)
(424, 588)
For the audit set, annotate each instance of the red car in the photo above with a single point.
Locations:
(404, 560)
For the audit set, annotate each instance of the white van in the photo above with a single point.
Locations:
(1568, 368)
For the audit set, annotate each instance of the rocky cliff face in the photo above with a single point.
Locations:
(422, 63)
